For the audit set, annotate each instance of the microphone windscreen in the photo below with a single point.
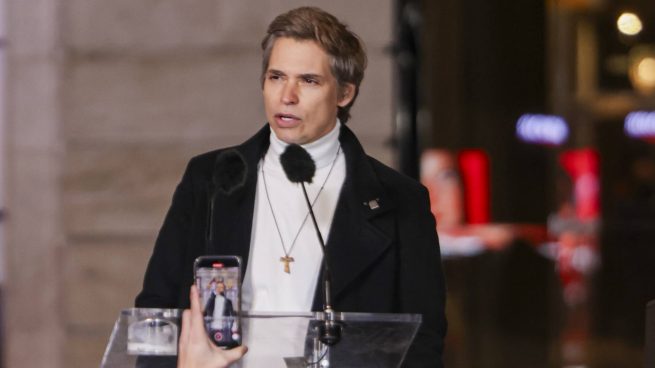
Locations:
(298, 164)
(230, 171)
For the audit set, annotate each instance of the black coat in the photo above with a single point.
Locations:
(228, 309)
(383, 259)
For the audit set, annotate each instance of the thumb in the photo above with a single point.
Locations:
(234, 354)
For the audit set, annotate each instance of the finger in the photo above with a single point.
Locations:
(184, 338)
(197, 323)
(186, 326)
(234, 354)
(195, 299)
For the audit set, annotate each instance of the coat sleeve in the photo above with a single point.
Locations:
(422, 286)
(162, 282)
(209, 307)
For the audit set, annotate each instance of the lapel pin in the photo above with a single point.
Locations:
(373, 204)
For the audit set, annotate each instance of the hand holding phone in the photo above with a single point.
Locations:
(196, 350)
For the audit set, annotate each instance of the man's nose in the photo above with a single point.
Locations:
(290, 94)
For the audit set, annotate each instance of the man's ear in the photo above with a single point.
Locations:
(346, 94)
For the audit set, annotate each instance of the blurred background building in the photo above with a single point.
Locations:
(531, 122)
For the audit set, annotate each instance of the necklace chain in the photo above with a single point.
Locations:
(277, 226)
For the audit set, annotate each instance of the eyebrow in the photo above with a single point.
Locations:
(302, 75)
(275, 72)
(311, 76)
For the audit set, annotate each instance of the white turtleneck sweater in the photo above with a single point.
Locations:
(266, 287)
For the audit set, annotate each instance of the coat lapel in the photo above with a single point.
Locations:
(233, 215)
(363, 226)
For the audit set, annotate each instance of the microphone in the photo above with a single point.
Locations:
(229, 175)
(230, 171)
(300, 168)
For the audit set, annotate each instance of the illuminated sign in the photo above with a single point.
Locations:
(542, 129)
(640, 124)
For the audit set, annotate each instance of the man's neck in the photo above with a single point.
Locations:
(321, 150)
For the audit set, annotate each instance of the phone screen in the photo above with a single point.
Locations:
(218, 281)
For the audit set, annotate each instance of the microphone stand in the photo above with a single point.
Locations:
(330, 331)
(209, 233)
(300, 168)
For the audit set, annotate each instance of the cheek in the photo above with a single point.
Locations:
(323, 103)
(270, 92)
(267, 95)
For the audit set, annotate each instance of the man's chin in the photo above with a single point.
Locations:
(289, 136)
(293, 140)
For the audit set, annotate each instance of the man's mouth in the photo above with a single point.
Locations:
(287, 117)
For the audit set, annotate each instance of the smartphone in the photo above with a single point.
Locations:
(218, 279)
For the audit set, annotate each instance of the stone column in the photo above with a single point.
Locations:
(34, 333)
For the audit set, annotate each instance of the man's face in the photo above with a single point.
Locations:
(301, 95)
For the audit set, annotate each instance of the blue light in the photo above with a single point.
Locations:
(640, 124)
(542, 129)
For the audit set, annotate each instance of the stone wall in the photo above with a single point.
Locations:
(107, 101)
(34, 332)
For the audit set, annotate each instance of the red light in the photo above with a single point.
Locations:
(217, 265)
(474, 167)
(582, 166)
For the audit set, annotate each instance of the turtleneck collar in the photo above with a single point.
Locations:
(322, 150)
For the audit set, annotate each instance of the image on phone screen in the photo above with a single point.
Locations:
(218, 284)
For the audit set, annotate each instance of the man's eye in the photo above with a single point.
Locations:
(310, 81)
(275, 77)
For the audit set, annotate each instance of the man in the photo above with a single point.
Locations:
(380, 234)
(218, 307)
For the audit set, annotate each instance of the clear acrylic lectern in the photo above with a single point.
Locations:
(145, 338)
